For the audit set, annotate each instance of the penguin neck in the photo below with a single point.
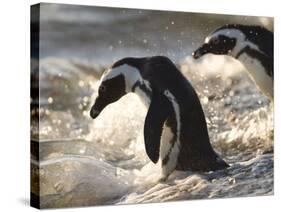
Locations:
(252, 64)
(257, 72)
(134, 82)
(246, 60)
(242, 44)
(243, 52)
(144, 91)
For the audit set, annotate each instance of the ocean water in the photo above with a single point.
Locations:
(86, 162)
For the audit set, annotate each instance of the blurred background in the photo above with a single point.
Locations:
(103, 161)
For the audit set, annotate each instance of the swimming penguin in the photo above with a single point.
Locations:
(251, 45)
(175, 129)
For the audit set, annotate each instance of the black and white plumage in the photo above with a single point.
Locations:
(251, 45)
(175, 129)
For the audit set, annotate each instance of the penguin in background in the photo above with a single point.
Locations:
(251, 45)
(175, 130)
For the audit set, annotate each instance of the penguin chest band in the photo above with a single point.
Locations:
(170, 145)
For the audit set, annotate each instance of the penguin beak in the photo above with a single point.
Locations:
(98, 106)
(94, 113)
(202, 50)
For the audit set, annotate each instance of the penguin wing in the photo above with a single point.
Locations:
(158, 111)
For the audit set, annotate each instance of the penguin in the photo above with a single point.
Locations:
(175, 130)
(251, 45)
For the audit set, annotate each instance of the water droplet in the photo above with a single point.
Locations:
(144, 41)
(85, 113)
(205, 100)
(50, 100)
(81, 83)
(231, 93)
(82, 151)
(85, 99)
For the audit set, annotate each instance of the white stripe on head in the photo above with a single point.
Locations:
(241, 41)
(231, 33)
(131, 75)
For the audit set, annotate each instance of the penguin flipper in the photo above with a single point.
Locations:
(158, 111)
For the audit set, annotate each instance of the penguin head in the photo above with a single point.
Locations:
(115, 83)
(222, 41)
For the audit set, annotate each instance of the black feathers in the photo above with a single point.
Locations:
(160, 108)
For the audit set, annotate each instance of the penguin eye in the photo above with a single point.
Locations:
(102, 88)
(215, 41)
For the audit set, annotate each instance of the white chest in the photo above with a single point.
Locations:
(145, 99)
(258, 74)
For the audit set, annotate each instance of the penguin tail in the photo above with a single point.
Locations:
(219, 164)
(212, 163)
(202, 163)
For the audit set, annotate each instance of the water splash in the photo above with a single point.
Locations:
(104, 160)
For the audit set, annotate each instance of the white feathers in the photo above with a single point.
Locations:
(130, 73)
(166, 144)
(143, 96)
(258, 73)
(176, 107)
(132, 76)
(172, 162)
(174, 152)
